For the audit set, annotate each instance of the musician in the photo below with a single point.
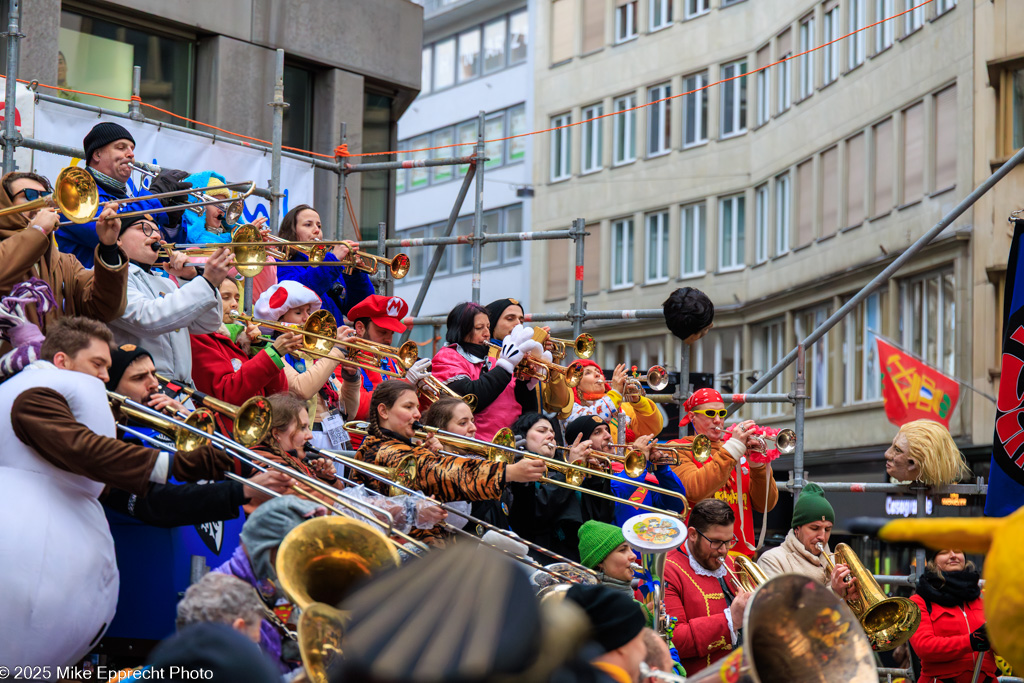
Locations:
(716, 476)
(604, 548)
(696, 583)
(340, 291)
(617, 628)
(26, 251)
(658, 658)
(546, 513)
(57, 562)
(924, 451)
(465, 367)
(160, 313)
(952, 634)
(209, 226)
(595, 396)
(328, 400)
(393, 412)
(812, 522)
(222, 599)
(109, 153)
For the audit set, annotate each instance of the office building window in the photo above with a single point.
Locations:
(99, 56)
(494, 130)
(593, 25)
(692, 220)
(695, 8)
(914, 18)
(731, 226)
(590, 134)
(784, 71)
(805, 206)
(517, 126)
(856, 180)
(861, 367)
(622, 253)
(512, 223)
(884, 171)
(913, 153)
(442, 138)
(298, 116)
(375, 193)
(561, 147)
(885, 32)
(783, 213)
(659, 120)
(624, 128)
(695, 110)
(444, 265)
(769, 348)
(761, 224)
(830, 53)
(720, 354)
(928, 318)
(829, 191)
(518, 37)
(466, 133)
(562, 30)
(419, 177)
(945, 139)
(660, 14)
(444, 64)
(426, 70)
(764, 85)
(469, 55)
(625, 20)
(817, 358)
(734, 99)
(656, 254)
(495, 34)
(806, 58)
(856, 44)
(944, 6)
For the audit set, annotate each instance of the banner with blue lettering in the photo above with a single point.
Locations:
(1006, 479)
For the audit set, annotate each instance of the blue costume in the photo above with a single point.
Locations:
(194, 224)
(320, 278)
(628, 491)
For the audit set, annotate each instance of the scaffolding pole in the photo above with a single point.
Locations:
(411, 163)
(976, 489)
(279, 106)
(478, 216)
(578, 233)
(10, 132)
(339, 224)
(799, 385)
(135, 106)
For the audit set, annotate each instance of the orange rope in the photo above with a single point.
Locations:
(352, 215)
(341, 151)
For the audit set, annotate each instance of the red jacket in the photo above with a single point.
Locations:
(221, 369)
(942, 641)
(702, 634)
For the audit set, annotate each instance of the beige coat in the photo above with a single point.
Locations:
(793, 558)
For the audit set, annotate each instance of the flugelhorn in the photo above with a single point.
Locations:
(235, 207)
(583, 346)
(888, 622)
(656, 378)
(784, 441)
(747, 574)
(532, 367)
(74, 194)
(250, 421)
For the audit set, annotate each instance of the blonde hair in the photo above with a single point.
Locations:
(938, 459)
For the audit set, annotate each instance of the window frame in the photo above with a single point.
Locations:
(830, 55)
(512, 16)
(565, 136)
(783, 213)
(737, 229)
(700, 11)
(592, 138)
(738, 88)
(503, 21)
(885, 33)
(806, 41)
(763, 85)
(664, 109)
(784, 86)
(660, 224)
(867, 367)
(856, 53)
(700, 98)
(627, 121)
(626, 258)
(818, 352)
(909, 312)
(625, 31)
(769, 346)
(666, 15)
(453, 41)
(693, 237)
(762, 209)
(913, 21)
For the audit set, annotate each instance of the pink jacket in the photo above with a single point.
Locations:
(449, 364)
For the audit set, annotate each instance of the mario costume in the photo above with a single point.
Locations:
(715, 474)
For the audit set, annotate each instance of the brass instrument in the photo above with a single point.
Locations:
(532, 367)
(583, 346)
(314, 253)
(250, 255)
(74, 194)
(656, 378)
(797, 631)
(433, 389)
(318, 564)
(700, 447)
(232, 212)
(784, 441)
(402, 474)
(634, 462)
(251, 420)
(398, 265)
(747, 574)
(888, 622)
(184, 440)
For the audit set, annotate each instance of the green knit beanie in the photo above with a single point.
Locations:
(597, 541)
(812, 507)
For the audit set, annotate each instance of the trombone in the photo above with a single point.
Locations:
(656, 378)
(232, 212)
(74, 194)
(784, 441)
(251, 420)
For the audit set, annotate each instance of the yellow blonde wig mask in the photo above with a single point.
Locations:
(931, 446)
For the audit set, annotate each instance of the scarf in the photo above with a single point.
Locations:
(23, 335)
(951, 589)
(115, 186)
(474, 353)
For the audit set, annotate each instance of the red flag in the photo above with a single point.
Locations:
(914, 390)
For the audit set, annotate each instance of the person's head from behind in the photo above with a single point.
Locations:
(604, 548)
(289, 428)
(24, 187)
(266, 527)
(617, 625)
(468, 323)
(110, 149)
(534, 432)
(710, 534)
(689, 314)
(394, 406)
(222, 599)
(214, 652)
(658, 658)
(452, 415)
(138, 238)
(80, 344)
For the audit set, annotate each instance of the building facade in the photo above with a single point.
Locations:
(477, 57)
(354, 62)
(782, 192)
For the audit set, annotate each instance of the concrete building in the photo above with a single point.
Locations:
(356, 62)
(477, 56)
(781, 193)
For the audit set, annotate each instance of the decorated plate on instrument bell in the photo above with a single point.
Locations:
(650, 532)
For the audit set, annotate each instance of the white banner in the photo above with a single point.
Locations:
(174, 149)
(24, 120)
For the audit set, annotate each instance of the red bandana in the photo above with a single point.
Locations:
(697, 399)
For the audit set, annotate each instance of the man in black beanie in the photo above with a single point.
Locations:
(617, 628)
(109, 153)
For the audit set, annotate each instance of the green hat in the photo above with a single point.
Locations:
(597, 541)
(812, 507)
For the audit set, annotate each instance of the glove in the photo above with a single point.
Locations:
(170, 180)
(204, 463)
(418, 371)
(520, 334)
(512, 353)
(979, 639)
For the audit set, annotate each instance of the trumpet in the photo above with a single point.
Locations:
(233, 211)
(250, 421)
(747, 575)
(700, 447)
(74, 194)
(398, 265)
(634, 462)
(583, 346)
(532, 367)
(784, 441)
(656, 378)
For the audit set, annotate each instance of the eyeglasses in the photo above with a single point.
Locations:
(33, 194)
(147, 230)
(713, 412)
(718, 545)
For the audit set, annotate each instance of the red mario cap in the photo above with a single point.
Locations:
(384, 311)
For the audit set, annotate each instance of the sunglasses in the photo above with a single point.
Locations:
(712, 412)
(32, 195)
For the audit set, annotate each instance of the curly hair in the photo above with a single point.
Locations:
(931, 447)
(688, 311)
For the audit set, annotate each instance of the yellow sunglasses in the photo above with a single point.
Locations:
(713, 412)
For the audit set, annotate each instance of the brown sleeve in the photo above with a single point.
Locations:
(43, 421)
(100, 292)
(761, 479)
(702, 482)
(18, 253)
